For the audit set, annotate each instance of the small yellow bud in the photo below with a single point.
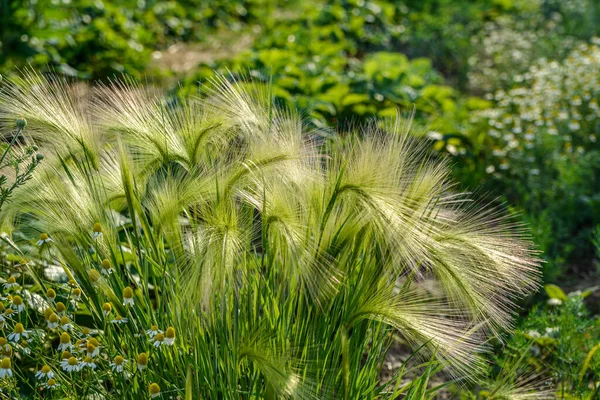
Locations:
(51, 294)
(154, 389)
(97, 228)
(65, 338)
(60, 307)
(127, 293)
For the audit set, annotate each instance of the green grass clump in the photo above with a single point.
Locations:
(280, 267)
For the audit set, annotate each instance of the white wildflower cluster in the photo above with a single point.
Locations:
(556, 103)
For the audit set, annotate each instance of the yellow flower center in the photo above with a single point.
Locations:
(72, 361)
(12, 280)
(9, 311)
(17, 300)
(65, 338)
(45, 369)
(43, 237)
(119, 360)
(128, 293)
(86, 331)
(47, 313)
(142, 359)
(154, 328)
(94, 342)
(64, 320)
(50, 293)
(90, 348)
(1, 307)
(19, 328)
(106, 307)
(160, 337)
(2, 341)
(77, 292)
(60, 307)
(105, 264)
(65, 355)
(5, 364)
(170, 333)
(88, 359)
(154, 388)
(97, 227)
(53, 318)
(51, 382)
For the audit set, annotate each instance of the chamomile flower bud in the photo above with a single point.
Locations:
(65, 324)
(119, 320)
(153, 331)
(92, 350)
(96, 230)
(88, 362)
(65, 341)
(51, 294)
(5, 368)
(106, 309)
(158, 340)
(17, 303)
(76, 294)
(51, 384)
(61, 308)
(170, 336)
(154, 390)
(47, 313)
(118, 364)
(53, 321)
(107, 269)
(71, 365)
(44, 373)
(10, 283)
(44, 238)
(65, 355)
(142, 361)
(18, 332)
(128, 296)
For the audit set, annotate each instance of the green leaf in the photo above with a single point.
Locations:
(554, 292)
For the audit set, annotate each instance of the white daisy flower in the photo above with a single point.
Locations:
(158, 340)
(44, 238)
(65, 324)
(153, 331)
(128, 296)
(71, 365)
(10, 283)
(44, 373)
(170, 336)
(17, 303)
(142, 361)
(53, 321)
(119, 320)
(65, 342)
(154, 390)
(18, 333)
(107, 269)
(118, 364)
(5, 369)
(51, 384)
(97, 231)
(88, 362)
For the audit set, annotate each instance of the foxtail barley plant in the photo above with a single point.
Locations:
(218, 248)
